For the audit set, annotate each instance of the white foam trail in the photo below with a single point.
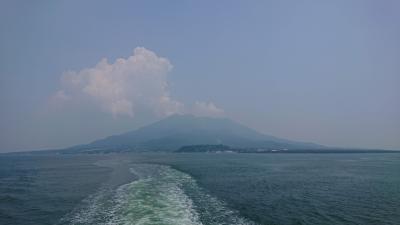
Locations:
(155, 198)
(159, 196)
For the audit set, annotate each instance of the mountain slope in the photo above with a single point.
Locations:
(179, 130)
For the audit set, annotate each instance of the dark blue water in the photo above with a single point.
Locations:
(201, 189)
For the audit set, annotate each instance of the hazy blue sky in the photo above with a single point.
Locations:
(320, 71)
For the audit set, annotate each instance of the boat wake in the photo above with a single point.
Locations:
(160, 195)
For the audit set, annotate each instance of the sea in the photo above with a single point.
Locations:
(200, 188)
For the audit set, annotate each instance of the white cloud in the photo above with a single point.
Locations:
(60, 96)
(207, 109)
(122, 88)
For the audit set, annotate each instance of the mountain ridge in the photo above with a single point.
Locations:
(173, 132)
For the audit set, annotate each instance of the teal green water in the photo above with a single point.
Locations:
(201, 189)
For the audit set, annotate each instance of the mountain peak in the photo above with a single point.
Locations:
(179, 130)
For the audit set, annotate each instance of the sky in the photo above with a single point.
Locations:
(321, 71)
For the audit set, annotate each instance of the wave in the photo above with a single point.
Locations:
(160, 195)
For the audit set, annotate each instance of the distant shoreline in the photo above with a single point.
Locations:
(229, 149)
(210, 149)
(303, 152)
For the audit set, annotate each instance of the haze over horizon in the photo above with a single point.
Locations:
(326, 72)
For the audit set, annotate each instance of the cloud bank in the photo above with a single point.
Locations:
(122, 88)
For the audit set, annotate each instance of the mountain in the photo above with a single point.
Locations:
(176, 131)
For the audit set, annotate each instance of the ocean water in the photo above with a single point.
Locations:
(162, 188)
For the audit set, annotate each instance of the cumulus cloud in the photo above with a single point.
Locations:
(129, 85)
(122, 87)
